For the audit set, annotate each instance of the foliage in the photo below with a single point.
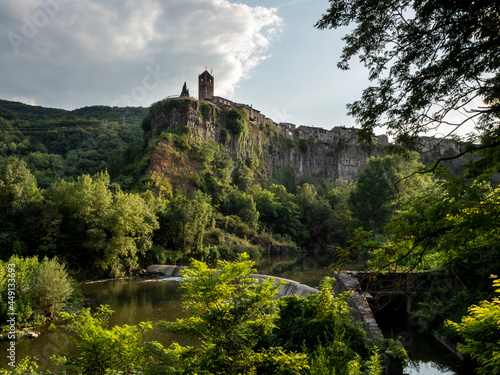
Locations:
(321, 325)
(232, 312)
(278, 211)
(480, 330)
(319, 320)
(286, 177)
(303, 145)
(58, 144)
(215, 175)
(40, 288)
(25, 271)
(27, 366)
(342, 215)
(434, 61)
(52, 287)
(236, 121)
(17, 185)
(103, 350)
(316, 213)
(185, 90)
(383, 186)
(111, 228)
(455, 227)
(242, 204)
(182, 223)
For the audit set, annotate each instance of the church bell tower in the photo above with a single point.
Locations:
(205, 86)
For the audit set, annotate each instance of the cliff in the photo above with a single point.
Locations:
(246, 140)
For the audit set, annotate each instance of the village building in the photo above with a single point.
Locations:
(338, 134)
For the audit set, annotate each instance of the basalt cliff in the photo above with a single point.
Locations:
(305, 152)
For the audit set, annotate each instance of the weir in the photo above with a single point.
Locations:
(361, 310)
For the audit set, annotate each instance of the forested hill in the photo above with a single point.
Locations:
(60, 144)
(29, 112)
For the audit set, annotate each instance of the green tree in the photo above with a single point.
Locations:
(236, 121)
(242, 205)
(316, 213)
(52, 287)
(372, 200)
(185, 90)
(384, 185)
(455, 226)
(99, 228)
(338, 197)
(216, 173)
(17, 186)
(102, 350)
(40, 288)
(182, 223)
(436, 62)
(25, 271)
(26, 366)
(232, 312)
(279, 211)
(480, 330)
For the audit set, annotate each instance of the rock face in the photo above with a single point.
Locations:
(333, 160)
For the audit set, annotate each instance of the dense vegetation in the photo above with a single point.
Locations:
(435, 66)
(242, 327)
(34, 290)
(58, 144)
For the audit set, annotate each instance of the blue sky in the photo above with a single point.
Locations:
(75, 53)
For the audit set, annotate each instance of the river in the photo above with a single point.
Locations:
(135, 300)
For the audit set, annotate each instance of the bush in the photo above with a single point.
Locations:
(236, 121)
(52, 287)
(41, 288)
(225, 137)
(303, 145)
(480, 330)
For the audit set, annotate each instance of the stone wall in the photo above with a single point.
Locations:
(361, 310)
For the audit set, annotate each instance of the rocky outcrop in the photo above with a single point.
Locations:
(332, 160)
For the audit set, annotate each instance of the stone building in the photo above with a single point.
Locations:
(205, 86)
(440, 146)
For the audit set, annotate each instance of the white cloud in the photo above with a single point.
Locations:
(70, 53)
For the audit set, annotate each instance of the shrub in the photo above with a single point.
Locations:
(40, 288)
(235, 121)
(52, 287)
(480, 330)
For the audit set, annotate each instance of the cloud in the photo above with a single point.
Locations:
(70, 53)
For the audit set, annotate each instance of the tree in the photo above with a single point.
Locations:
(242, 205)
(41, 288)
(480, 330)
(456, 224)
(232, 313)
(101, 350)
(17, 185)
(99, 228)
(182, 223)
(372, 200)
(383, 186)
(185, 90)
(316, 213)
(436, 62)
(52, 287)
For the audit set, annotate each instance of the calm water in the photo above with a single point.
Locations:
(136, 300)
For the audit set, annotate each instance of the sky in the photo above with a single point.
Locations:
(75, 53)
